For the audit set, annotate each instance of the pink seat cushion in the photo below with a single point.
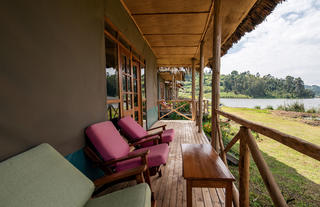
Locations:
(167, 135)
(131, 128)
(107, 140)
(157, 156)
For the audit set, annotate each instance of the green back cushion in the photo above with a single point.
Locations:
(42, 177)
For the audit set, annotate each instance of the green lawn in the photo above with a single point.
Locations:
(297, 175)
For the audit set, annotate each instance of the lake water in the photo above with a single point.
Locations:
(263, 103)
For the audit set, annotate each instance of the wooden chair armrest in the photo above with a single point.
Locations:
(159, 134)
(120, 175)
(143, 155)
(158, 127)
(144, 140)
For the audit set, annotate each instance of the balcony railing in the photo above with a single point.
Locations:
(248, 145)
(185, 108)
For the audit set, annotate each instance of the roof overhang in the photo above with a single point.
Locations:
(174, 29)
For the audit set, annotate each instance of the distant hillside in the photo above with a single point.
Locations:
(314, 88)
(247, 85)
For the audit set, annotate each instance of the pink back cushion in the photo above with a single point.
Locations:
(107, 140)
(131, 128)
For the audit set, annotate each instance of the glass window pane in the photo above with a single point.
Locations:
(112, 72)
(135, 85)
(136, 115)
(135, 99)
(124, 83)
(129, 104)
(129, 66)
(134, 71)
(125, 101)
(129, 84)
(143, 89)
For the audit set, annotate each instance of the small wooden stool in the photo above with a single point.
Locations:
(202, 167)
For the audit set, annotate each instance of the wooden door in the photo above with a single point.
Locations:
(127, 104)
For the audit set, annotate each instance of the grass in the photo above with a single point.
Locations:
(297, 175)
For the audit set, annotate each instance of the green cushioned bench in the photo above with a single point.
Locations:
(43, 177)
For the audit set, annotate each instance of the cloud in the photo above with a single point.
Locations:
(287, 43)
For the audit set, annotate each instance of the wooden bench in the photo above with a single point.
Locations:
(202, 167)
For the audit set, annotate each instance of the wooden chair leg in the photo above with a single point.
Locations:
(147, 178)
(160, 172)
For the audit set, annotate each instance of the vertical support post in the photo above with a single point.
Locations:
(201, 87)
(193, 89)
(244, 164)
(216, 53)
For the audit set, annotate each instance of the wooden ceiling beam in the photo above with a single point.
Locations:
(168, 13)
(160, 34)
(176, 46)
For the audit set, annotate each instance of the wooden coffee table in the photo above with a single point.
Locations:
(202, 167)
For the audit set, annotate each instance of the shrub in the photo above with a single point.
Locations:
(312, 110)
(257, 107)
(296, 106)
(269, 107)
(206, 118)
(281, 108)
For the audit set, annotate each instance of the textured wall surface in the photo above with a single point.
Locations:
(52, 77)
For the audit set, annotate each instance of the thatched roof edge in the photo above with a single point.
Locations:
(257, 14)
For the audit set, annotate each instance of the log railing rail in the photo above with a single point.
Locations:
(171, 107)
(249, 146)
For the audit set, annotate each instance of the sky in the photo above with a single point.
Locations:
(286, 43)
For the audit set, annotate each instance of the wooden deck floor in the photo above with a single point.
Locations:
(170, 189)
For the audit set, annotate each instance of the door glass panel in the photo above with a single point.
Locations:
(112, 72)
(135, 99)
(129, 101)
(124, 64)
(143, 89)
(129, 84)
(124, 83)
(129, 66)
(135, 85)
(136, 115)
(134, 71)
(125, 102)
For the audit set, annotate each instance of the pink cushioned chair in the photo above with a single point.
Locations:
(115, 151)
(133, 131)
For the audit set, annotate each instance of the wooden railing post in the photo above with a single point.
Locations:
(223, 155)
(265, 172)
(244, 164)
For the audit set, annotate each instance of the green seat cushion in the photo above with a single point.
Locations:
(136, 196)
(42, 177)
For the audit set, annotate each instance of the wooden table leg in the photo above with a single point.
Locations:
(189, 193)
(228, 200)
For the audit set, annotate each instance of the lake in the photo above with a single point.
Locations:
(263, 103)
